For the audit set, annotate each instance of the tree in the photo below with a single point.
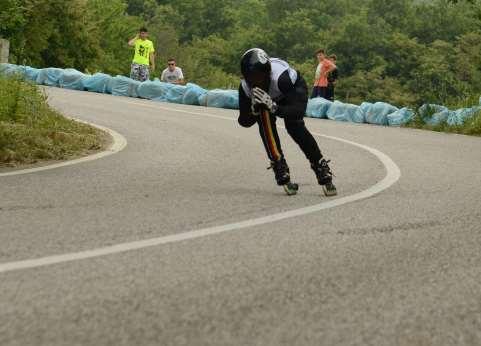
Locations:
(111, 27)
(402, 51)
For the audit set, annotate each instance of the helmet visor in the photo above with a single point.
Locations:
(258, 79)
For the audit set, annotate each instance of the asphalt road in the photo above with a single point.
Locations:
(402, 267)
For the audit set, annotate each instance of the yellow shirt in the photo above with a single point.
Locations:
(143, 48)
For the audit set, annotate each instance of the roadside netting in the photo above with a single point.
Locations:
(379, 113)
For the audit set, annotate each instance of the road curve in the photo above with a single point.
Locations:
(398, 267)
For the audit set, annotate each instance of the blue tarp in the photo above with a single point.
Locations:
(400, 117)
(342, 111)
(221, 99)
(175, 93)
(99, 82)
(360, 115)
(153, 90)
(49, 76)
(318, 107)
(459, 116)
(433, 114)
(72, 79)
(375, 113)
(192, 94)
(123, 86)
(11, 69)
(31, 73)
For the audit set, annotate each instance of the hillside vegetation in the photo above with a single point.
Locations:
(405, 52)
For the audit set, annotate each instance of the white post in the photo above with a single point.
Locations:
(4, 50)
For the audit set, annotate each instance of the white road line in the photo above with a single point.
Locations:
(393, 174)
(119, 143)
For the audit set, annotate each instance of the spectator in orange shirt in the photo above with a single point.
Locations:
(324, 67)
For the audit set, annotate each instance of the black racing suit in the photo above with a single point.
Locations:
(292, 107)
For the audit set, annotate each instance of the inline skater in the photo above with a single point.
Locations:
(270, 88)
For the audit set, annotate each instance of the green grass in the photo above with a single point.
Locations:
(471, 127)
(31, 131)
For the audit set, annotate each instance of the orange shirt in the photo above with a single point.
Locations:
(324, 67)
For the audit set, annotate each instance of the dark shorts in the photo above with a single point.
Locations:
(330, 92)
(319, 92)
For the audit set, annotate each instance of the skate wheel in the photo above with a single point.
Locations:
(329, 190)
(290, 188)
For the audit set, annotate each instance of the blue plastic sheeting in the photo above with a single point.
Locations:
(31, 73)
(72, 79)
(4, 68)
(377, 113)
(10, 69)
(459, 116)
(318, 107)
(433, 114)
(400, 117)
(123, 86)
(360, 116)
(175, 93)
(203, 100)
(342, 111)
(192, 94)
(220, 99)
(49, 76)
(99, 82)
(153, 90)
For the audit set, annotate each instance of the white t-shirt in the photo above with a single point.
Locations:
(172, 76)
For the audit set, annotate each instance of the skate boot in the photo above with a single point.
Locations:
(283, 178)
(324, 177)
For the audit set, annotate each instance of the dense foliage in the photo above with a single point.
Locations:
(405, 52)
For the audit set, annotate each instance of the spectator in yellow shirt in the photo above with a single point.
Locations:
(143, 56)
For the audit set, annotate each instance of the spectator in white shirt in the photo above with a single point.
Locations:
(172, 74)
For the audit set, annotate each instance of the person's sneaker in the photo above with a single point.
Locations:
(324, 177)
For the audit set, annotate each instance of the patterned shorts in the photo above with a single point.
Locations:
(139, 72)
